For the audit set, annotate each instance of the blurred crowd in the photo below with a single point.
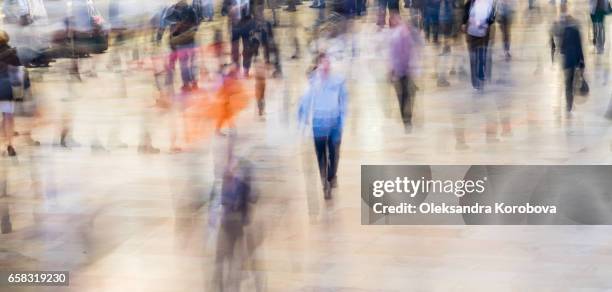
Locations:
(203, 84)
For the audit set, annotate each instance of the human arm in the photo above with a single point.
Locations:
(343, 102)
(579, 52)
(466, 13)
(304, 108)
(492, 15)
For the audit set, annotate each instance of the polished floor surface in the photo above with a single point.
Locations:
(123, 221)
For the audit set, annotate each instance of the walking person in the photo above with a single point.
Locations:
(432, 20)
(262, 36)
(242, 24)
(505, 13)
(237, 200)
(567, 40)
(477, 20)
(324, 107)
(598, 10)
(446, 29)
(8, 57)
(183, 23)
(403, 48)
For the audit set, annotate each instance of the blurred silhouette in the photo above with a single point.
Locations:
(404, 45)
(231, 98)
(567, 40)
(237, 196)
(458, 61)
(87, 33)
(262, 37)
(505, 13)
(8, 58)
(241, 25)
(432, 20)
(446, 30)
(477, 20)
(324, 107)
(181, 20)
(598, 10)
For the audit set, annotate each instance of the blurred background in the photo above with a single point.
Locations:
(208, 145)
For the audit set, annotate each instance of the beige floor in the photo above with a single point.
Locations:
(119, 221)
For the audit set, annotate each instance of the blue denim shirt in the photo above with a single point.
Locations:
(324, 105)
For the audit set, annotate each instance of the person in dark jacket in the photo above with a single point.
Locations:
(237, 201)
(566, 38)
(8, 57)
(242, 25)
(477, 20)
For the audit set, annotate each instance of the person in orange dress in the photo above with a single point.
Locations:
(217, 111)
(231, 98)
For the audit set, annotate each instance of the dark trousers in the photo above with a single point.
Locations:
(229, 242)
(240, 33)
(570, 77)
(504, 26)
(432, 23)
(599, 33)
(328, 154)
(269, 46)
(360, 7)
(392, 5)
(478, 47)
(404, 90)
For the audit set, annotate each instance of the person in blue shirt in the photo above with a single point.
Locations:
(323, 107)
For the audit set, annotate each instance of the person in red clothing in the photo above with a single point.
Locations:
(231, 98)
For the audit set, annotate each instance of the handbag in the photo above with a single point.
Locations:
(582, 86)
